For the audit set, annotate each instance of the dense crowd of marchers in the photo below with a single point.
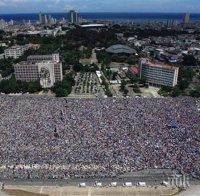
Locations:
(45, 138)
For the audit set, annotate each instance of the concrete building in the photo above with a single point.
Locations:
(15, 51)
(2, 24)
(73, 17)
(186, 19)
(2, 56)
(43, 18)
(40, 15)
(39, 58)
(45, 68)
(158, 74)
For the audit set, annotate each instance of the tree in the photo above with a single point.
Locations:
(166, 88)
(196, 92)
(33, 86)
(15, 86)
(114, 76)
(189, 60)
(176, 92)
(64, 88)
(143, 81)
(133, 79)
(183, 84)
(123, 85)
(106, 85)
(126, 91)
(108, 74)
(60, 92)
(6, 67)
(136, 89)
(94, 67)
(1, 50)
(103, 57)
(78, 67)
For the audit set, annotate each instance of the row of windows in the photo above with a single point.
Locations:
(158, 71)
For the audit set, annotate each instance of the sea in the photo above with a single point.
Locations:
(107, 16)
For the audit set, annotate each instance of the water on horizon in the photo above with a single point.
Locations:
(106, 16)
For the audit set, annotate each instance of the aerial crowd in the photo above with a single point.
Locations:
(50, 138)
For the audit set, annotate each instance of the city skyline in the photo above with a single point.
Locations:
(146, 6)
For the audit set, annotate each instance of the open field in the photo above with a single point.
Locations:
(89, 191)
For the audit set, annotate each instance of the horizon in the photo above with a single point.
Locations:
(88, 12)
(104, 15)
(109, 12)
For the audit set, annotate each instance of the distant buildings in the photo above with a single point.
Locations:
(16, 51)
(93, 26)
(40, 17)
(186, 19)
(45, 68)
(158, 74)
(2, 24)
(46, 19)
(73, 17)
(43, 18)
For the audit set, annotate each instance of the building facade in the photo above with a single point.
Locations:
(15, 51)
(186, 19)
(73, 17)
(158, 74)
(39, 58)
(2, 24)
(45, 68)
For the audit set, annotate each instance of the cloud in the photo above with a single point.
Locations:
(24, 6)
(2, 4)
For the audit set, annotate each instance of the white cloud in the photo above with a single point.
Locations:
(99, 5)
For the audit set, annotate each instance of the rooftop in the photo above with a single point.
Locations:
(158, 64)
(92, 25)
(118, 48)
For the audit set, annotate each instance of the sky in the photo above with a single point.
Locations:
(34, 6)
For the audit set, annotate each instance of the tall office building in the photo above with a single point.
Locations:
(41, 15)
(186, 19)
(2, 24)
(49, 18)
(73, 17)
(158, 74)
(43, 18)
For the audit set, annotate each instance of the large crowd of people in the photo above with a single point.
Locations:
(50, 138)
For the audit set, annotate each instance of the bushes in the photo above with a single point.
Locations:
(106, 85)
(6, 67)
(64, 88)
(14, 86)
(195, 92)
(136, 89)
(78, 67)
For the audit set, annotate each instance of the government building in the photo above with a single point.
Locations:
(158, 74)
(45, 68)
